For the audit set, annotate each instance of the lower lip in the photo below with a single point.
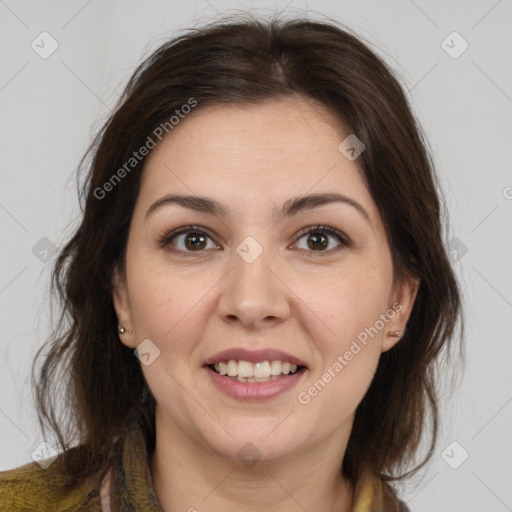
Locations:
(254, 390)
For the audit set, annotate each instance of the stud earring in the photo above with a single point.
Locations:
(122, 330)
(395, 334)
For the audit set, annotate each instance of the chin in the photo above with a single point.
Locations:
(248, 447)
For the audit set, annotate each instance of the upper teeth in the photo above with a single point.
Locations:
(260, 370)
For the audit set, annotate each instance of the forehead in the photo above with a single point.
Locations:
(264, 152)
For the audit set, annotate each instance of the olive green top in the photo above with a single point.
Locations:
(32, 488)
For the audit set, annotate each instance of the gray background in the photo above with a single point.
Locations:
(51, 107)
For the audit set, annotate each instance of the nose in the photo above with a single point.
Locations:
(253, 293)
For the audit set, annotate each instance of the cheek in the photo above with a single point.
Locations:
(168, 306)
(329, 399)
(347, 333)
(153, 305)
(345, 304)
(337, 386)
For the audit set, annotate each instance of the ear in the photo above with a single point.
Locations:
(122, 306)
(401, 302)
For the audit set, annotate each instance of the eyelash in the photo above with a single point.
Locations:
(166, 239)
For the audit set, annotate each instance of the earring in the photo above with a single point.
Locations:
(122, 330)
(395, 334)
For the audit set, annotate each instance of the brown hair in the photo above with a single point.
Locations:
(247, 61)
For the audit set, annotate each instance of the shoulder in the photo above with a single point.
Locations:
(32, 487)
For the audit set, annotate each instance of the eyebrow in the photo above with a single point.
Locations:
(289, 208)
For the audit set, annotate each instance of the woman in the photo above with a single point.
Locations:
(258, 291)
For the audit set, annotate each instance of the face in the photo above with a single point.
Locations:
(257, 276)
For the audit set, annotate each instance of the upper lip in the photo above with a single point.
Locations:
(254, 356)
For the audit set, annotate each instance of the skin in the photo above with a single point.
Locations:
(306, 302)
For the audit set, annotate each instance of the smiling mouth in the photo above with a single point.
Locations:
(264, 371)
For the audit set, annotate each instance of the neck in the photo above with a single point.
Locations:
(187, 476)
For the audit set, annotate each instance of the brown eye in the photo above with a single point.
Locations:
(187, 239)
(318, 239)
(195, 241)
